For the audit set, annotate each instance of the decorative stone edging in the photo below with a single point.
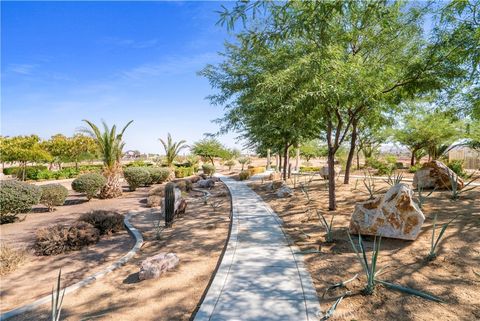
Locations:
(138, 243)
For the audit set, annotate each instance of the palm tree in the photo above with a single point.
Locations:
(110, 145)
(172, 149)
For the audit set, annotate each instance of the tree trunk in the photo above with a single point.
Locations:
(285, 162)
(412, 159)
(351, 153)
(332, 201)
(211, 160)
(358, 159)
(112, 188)
(76, 165)
(279, 168)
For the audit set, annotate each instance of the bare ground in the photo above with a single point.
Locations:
(198, 238)
(451, 276)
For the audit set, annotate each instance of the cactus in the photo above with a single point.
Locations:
(169, 204)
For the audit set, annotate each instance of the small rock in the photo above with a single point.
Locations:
(182, 207)
(154, 201)
(435, 174)
(153, 267)
(393, 215)
(206, 183)
(275, 185)
(284, 191)
(275, 176)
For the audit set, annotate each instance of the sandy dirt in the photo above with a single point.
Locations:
(198, 238)
(451, 276)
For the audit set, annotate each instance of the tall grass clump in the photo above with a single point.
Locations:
(436, 241)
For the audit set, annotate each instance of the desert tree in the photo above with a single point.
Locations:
(110, 145)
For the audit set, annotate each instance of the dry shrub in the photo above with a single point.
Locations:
(10, 258)
(157, 190)
(61, 238)
(106, 222)
(154, 201)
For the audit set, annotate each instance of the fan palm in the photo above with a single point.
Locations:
(172, 149)
(110, 144)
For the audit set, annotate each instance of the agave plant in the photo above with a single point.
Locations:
(57, 299)
(433, 246)
(372, 272)
(422, 197)
(172, 149)
(328, 226)
(394, 178)
(369, 183)
(110, 144)
(454, 188)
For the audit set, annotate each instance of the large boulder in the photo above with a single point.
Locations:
(206, 183)
(393, 215)
(435, 174)
(153, 267)
(324, 171)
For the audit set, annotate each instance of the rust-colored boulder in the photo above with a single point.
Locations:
(435, 174)
(395, 215)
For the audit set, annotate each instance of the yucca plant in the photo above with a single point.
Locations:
(57, 299)
(394, 178)
(328, 226)
(369, 183)
(434, 243)
(110, 144)
(455, 190)
(372, 272)
(172, 149)
(421, 197)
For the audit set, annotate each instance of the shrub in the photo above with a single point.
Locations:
(68, 172)
(382, 167)
(184, 185)
(414, 168)
(53, 195)
(158, 175)
(457, 167)
(136, 176)
(10, 258)
(31, 172)
(309, 169)
(208, 169)
(89, 184)
(181, 172)
(83, 169)
(230, 163)
(17, 197)
(138, 163)
(45, 174)
(61, 238)
(256, 170)
(244, 175)
(106, 222)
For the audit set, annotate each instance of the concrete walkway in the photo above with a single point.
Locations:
(260, 277)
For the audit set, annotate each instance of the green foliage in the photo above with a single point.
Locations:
(90, 184)
(209, 149)
(382, 167)
(414, 168)
(394, 178)
(106, 222)
(62, 238)
(136, 176)
(158, 175)
(208, 169)
(457, 167)
(17, 197)
(327, 225)
(181, 172)
(230, 163)
(244, 175)
(172, 149)
(312, 149)
(455, 188)
(309, 169)
(138, 163)
(243, 161)
(53, 195)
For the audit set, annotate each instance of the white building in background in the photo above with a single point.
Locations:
(469, 156)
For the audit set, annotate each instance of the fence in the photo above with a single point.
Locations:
(470, 158)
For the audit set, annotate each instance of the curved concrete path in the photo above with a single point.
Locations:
(260, 276)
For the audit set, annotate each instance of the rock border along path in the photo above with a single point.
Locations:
(124, 259)
(261, 276)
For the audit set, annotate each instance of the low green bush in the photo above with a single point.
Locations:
(17, 197)
(136, 176)
(230, 163)
(414, 168)
(158, 175)
(53, 195)
(61, 238)
(208, 169)
(457, 167)
(138, 163)
(45, 175)
(244, 175)
(308, 169)
(382, 167)
(181, 172)
(106, 222)
(31, 172)
(83, 169)
(89, 184)
(68, 172)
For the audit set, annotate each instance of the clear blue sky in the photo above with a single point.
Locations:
(63, 62)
